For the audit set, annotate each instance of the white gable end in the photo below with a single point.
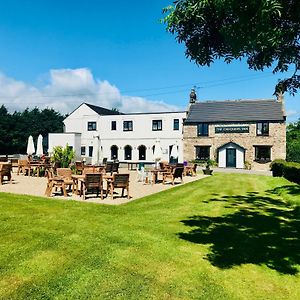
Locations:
(77, 120)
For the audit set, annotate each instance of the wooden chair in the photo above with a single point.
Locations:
(79, 166)
(163, 165)
(100, 169)
(5, 171)
(115, 167)
(55, 182)
(190, 170)
(89, 170)
(66, 174)
(176, 173)
(194, 170)
(26, 168)
(92, 183)
(21, 163)
(14, 163)
(118, 181)
(109, 167)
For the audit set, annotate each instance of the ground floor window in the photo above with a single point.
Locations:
(142, 152)
(127, 152)
(202, 152)
(114, 152)
(90, 151)
(83, 150)
(263, 153)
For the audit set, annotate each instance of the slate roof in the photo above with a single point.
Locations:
(102, 111)
(235, 111)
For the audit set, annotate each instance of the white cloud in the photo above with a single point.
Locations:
(291, 113)
(67, 88)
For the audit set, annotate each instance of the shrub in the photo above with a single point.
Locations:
(289, 170)
(63, 156)
(247, 165)
(277, 167)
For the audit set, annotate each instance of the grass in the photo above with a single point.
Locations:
(230, 236)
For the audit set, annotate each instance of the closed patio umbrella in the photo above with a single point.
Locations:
(157, 155)
(95, 157)
(30, 146)
(39, 146)
(100, 153)
(174, 151)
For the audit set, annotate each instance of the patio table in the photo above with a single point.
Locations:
(76, 179)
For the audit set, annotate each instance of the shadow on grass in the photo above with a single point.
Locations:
(261, 230)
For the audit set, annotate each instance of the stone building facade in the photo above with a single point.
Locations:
(236, 134)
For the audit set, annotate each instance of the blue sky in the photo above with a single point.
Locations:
(112, 53)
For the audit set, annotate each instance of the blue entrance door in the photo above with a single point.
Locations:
(230, 158)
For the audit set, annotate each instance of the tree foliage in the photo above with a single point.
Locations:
(293, 142)
(16, 127)
(265, 32)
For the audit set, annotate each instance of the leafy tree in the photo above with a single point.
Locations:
(16, 127)
(293, 142)
(265, 32)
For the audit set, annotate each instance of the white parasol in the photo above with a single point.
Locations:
(30, 146)
(157, 155)
(95, 158)
(174, 151)
(39, 146)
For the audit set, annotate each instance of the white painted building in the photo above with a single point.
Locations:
(126, 137)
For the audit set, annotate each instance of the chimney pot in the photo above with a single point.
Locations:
(193, 96)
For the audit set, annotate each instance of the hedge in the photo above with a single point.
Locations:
(289, 170)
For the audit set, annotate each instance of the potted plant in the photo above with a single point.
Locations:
(208, 170)
(62, 157)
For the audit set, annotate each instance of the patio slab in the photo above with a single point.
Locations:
(36, 186)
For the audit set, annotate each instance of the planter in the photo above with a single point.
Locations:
(207, 171)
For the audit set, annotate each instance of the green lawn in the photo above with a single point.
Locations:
(229, 236)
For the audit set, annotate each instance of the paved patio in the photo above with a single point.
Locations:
(36, 186)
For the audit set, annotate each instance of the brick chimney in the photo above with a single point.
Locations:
(193, 96)
(280, 99)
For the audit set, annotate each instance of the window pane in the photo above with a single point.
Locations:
(263, 153)
(113, 125)
(127, 125)
(82, 150)
(92, 126)
(202, 152)
(176, 124)
(127, 153)
(202, 129)
(156, 125)
(266, 128)
(90, 151)
(114, 152)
